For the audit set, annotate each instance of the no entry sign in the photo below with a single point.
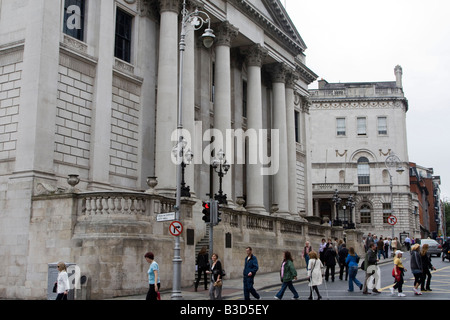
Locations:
(176, 228)
(392, 220)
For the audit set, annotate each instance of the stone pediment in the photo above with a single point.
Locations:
(271, 15)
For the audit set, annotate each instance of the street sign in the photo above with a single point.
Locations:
(392, 220)
(176, 228)
(165, 216)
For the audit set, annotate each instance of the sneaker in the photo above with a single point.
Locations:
(375, 291)
(392, 290)
(293, 298)
(276, 298)
(401, 294)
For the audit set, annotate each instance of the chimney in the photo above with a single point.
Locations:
(322, 83)
(398, 76)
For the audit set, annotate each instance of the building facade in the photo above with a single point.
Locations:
(355, 128)
(426, 186)
(90, 89)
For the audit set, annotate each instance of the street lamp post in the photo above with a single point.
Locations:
(393, 161)
(221, 166)
(351, 205)
(337, 201)
(197, 21)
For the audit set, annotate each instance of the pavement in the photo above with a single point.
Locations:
(233, 288)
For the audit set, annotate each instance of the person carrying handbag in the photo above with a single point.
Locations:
(216, 271)
(397, 273)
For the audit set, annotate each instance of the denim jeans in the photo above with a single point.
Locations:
(352, 271)
(283, 289)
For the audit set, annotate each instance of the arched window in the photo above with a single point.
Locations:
(363, 171)
(365, 213)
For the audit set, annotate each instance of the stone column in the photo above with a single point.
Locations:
(281, 178)
(255, 181)
(101, 122)
(167, 97)
(291, 143)
(222, 102)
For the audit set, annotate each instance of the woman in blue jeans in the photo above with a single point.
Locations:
(352, 262)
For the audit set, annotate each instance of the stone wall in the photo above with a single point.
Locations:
(107, 234)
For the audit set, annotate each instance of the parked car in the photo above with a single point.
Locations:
(434, 248)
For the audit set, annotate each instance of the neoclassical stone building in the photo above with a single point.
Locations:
(90, 88)
(355, 127)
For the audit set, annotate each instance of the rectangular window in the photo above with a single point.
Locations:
(73, 24)
(361, 125)
(122, 48)
(382, 125)
(297, 126)
(340, 126)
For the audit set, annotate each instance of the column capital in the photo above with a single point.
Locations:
(291, 78)
(255, 55)
(279, 72)
(225, 33)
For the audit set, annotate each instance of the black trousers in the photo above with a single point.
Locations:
(151, 294)
(61, 296)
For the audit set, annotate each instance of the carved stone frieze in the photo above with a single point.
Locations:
(358, 105)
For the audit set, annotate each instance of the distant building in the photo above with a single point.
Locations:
(426, 187)
(355, 127)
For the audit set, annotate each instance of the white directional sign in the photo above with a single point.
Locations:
(165, 216)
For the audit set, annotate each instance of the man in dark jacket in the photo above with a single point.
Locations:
(250, 269)
(330, 262)
(371, 267)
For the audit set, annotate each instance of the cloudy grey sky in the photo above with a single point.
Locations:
(359, 40)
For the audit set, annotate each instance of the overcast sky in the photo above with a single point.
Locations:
(361, 40)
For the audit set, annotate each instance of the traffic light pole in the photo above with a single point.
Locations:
(212, 223)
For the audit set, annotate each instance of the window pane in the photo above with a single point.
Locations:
(365, 214)
(340, 126)
(123, 36)
(363, 171)
(73, 24)
(361, 122)
(382, 125)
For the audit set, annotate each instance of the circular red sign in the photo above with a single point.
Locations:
(176, 228)
(392, 220)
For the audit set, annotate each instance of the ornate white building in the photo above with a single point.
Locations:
(355, 127)
(90, 88)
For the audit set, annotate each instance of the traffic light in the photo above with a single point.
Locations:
(218, 219)
(206, 211)
(215, 219)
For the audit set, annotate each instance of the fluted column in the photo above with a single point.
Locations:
(255, 181)
(222, 100)
(281, 178)
(291, 143)
(166, 114)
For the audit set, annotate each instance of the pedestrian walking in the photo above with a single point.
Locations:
(62, 282)
(287, 275)
(153, 277)
(306, 250)
(314, 274)
(426, 267)
(398, 273)
(408, 243)
(250, 269)
(370, 266)
(394, 244)
(352, 261)
(202, 264)
(343, 266)
(322, 247)
(330, 262)
(216, 271)
(380, 247)
(387, 252)
(416, 268)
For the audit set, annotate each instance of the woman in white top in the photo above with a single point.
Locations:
(314, 274)
(62, 282)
